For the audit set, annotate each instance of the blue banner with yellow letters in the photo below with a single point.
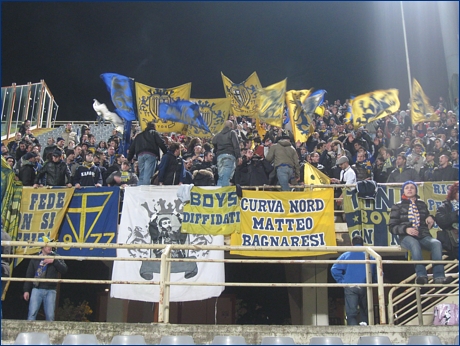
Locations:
(369, 218)
(92, 217)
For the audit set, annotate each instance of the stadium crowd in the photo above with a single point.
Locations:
(391, 149)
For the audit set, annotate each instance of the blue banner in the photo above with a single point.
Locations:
(184, 112)
(92, 217)
(121, 91)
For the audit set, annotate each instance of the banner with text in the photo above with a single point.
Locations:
(41, 213)
(369, 218)
(92, 217)
(153, 215)
(212, 210)
(286, 219)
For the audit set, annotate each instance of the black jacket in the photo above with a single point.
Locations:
(399, 219)
(407, 173)
(148, 140)
(448, 173)
(57, 173)
(52, 270)
(171, 169)
(27, 173)
(226, 142)
(446, 216)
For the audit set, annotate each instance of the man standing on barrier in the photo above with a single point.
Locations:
(43, 292)
(347, 273)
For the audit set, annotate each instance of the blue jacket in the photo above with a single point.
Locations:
(348, 273)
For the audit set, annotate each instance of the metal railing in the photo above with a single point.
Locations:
(165, 282)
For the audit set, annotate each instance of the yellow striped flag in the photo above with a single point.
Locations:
(270, 101)
(148, 102)
(301, 128)
(214, 112)
(243, 95)
(374, 105)
(421, 109)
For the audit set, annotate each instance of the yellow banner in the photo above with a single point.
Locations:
(243, 96)
(212, 211)
(421, 109)
(374, 105)
(214, 112)
(148, 101)
(271, 103)
(302, 126)
(286, 219)
(42, 211)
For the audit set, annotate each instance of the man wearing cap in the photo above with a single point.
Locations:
(27, 171)
(56, 172)
(49, 148)
(88, 174)
(426, 172)
(285, 160)
(43, 292)
(347, 175)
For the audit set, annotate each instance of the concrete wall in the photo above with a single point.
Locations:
(203, 334)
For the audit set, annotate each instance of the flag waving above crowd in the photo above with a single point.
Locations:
(243, 95)
(374, 105)
(271, 103)
(184, 112)
(421, 109)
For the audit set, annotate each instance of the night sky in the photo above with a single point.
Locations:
(345, 48)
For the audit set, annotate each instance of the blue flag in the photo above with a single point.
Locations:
(184, 112)
(92, 217)
(121, 90)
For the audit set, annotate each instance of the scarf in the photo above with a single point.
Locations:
(414, 215)
(40, 272)
(88, 164)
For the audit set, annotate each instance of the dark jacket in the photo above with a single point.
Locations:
(171, 169)
(57, 173)
(446, 216)
(448, 173)
(254, 172)
(87, 176)
(27, 173)
(399, 219)
(52, 270)
(147, 141)
(226, 142)
(407, 173)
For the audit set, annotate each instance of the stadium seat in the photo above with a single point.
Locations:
(424, 340)
(374, 340)
(326, 340)
(80, 339)
(277, 340)
(177, 340)
(228, 340)
(32, 338)
(128, 340)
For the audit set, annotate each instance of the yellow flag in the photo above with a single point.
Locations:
(148, 102)
(374, 105)
(301, 127)
(289, 219)
(421, 109)
(214, 113)
(320, 110)
(313, 176)
(270, 101)
(243, 96)
(260, 129)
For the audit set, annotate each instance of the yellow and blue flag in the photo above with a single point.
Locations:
(184, 112)
(243, 95)
(271, 101)
(301, 127)
(421, 109)
(148, 104)
(121, 91)
(313, 176)
(92, 217)
(214, 113)
(374, 105)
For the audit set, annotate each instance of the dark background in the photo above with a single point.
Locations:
(343, 47)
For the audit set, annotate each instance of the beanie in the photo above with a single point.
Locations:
(407, 183)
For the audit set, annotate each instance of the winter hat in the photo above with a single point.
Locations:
(60, 139)
(29, 155)
(407, 183)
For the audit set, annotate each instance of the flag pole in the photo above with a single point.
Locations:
(407, 52)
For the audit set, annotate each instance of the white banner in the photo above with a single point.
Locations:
(153, 215)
